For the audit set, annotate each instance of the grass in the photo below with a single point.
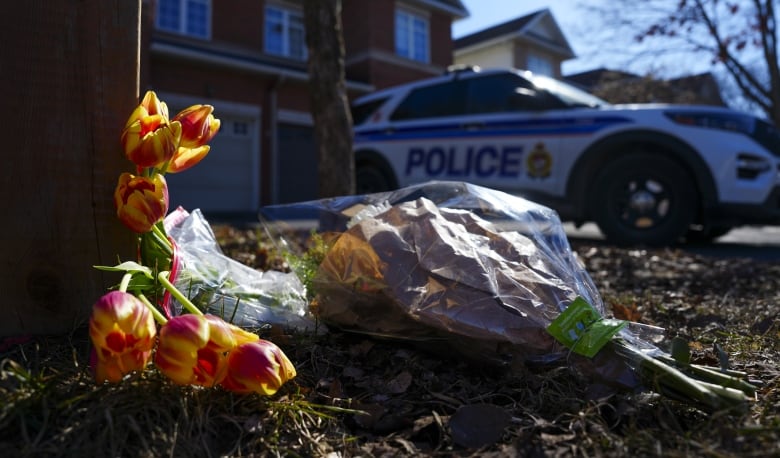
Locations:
(361, 396)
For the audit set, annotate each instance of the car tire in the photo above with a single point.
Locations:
(643, 199)
(708, 235)
(370, 179)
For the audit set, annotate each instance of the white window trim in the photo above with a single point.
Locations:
(287, 10)
(414, 13)
(183, 20)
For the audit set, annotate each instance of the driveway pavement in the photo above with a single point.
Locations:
(757, 242)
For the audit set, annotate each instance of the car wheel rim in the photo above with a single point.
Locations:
(644, 204)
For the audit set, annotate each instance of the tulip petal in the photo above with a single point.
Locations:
(188, 354)
(185, 158)
(259, 367)
(122, 331)
(141, 202)
(150, 141)
(198, 125)
(154, 105)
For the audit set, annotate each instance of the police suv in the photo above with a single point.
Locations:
(646, 174)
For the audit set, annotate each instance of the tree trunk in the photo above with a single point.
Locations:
(329, 103)
(70, 79)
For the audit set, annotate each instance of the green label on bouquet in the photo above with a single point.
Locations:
(582, 329)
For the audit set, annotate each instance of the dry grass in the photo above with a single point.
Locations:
(359, 396)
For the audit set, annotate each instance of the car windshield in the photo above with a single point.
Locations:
(570, 95)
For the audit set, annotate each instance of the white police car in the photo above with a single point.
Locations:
(646, 174)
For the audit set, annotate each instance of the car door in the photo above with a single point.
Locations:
(486, 129)
(515, 133)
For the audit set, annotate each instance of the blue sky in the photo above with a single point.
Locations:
(585, 35)
(595, 45)
(487, 13)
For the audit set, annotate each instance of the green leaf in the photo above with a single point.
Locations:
(723, 357)
(128, 266)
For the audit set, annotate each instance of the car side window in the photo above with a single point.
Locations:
(362, 111)
(506, 93)
(446, 99)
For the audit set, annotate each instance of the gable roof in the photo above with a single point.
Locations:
(516, 28)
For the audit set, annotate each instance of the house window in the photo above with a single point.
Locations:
(185, 17)
(539, 65)
(284, 33)
(241, 128)
(411, 35)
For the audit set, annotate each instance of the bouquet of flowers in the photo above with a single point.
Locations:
(136, 322)
(459, 267)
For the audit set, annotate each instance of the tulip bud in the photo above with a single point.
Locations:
(192, 349)
(149, 139)
(141, 202)
(259, 367)
(153, 105)
(122, 331)
(198, 127)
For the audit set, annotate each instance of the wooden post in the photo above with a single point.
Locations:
(69, 72)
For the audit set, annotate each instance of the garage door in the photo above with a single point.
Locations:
(227, 180)
(297, 163)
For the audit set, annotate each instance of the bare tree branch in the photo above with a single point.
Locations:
(739, 35)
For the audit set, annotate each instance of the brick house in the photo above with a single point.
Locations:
(248, 59)
(532, 42)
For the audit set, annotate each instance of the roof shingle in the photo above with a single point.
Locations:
(496, 31)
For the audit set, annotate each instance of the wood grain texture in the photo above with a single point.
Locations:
(69, 71)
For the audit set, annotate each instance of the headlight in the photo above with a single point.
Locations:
(767, 136)
(762, 132)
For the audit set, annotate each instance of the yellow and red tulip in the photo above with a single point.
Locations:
(192, 349)
(187, 157)
(259, 367)
(198, 127)
(149, 139)
(141, 202)
(153, 105)
(113, 368)
(122, 330)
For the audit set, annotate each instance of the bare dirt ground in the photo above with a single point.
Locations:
(357, 395)
(716, 303)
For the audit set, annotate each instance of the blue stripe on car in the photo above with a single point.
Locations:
(561, 126)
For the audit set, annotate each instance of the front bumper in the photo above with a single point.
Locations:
(767, 212)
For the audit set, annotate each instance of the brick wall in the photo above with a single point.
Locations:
(369, 37)
(239, 22)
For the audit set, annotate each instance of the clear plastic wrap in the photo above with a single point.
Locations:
(225, 287)
(455, 266)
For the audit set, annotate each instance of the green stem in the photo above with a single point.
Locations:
(707, 374)
(158, 317)
(163, 239)
(164, 169)
(125, 282)
(665, 379)
(185, 302)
